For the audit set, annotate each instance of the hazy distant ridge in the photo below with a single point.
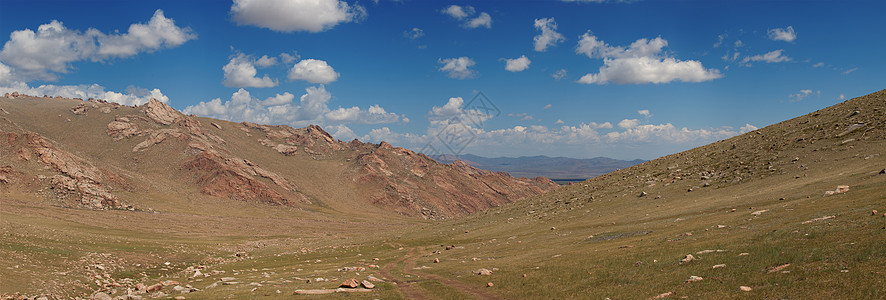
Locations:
(540, 165)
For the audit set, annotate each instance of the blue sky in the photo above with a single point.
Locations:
(638, 79)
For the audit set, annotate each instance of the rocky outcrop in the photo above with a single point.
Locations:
(236, 179)
(160, 112)
(79, 109)
(75, 180)
(413, 184)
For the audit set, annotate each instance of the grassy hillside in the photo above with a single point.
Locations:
(752, 211)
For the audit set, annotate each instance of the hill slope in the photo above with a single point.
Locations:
(97, 152)
(761, 214)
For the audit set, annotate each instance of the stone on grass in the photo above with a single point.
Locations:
(350, 283)
(489, 284)
(483, 271)
(694, 278)
(101, 296)
(687, 259)
(718, 266)
(745, 288)
(368, 285)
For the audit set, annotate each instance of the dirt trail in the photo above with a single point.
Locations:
(410, 288)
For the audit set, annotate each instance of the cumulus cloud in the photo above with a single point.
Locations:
(628, 123)
(783, 34)
(295, 15)
(748, 128)
(414, 33)
(517, 64)
(464, 13)
(342, 132)
(241, 72)
(373, 115)
(482, 20)
(774, 56)
(458, 67)
(132, 96)
(311, 108)
(313, 71)
(559, 74)
(799, 96)
(264, 61)
(645, 113)
(549, 36)
(641, 62)
(458, 12)
(53, 47)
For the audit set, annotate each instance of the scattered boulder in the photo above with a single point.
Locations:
(759, 212)
(687, 259)
(100, 296)
(350, 283)
(883, 171)
(79, 109)
(718, 266)
(286, 149)
(818, 219)
(694, 278)
(745, 288)
(368, 285)
(778, 268)
(436, 260)
(215, 125)
(154, 288)
(483, 271)
(663, 295)
(842, 189)
(490, 284)
(642, 194)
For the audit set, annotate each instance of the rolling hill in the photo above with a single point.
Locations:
(793, 210)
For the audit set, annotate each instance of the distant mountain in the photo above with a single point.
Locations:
(545, 166)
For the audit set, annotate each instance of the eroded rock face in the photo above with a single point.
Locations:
(160, 112)
(415, 185)
(76, 179)
(79, 109)
(235, 179)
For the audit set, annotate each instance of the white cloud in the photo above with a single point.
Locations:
(560, 74)
(462, 13)
(240, 72)
(313, 71)
(548, 106)
(295, 15)
(841, 97)
(642, 70)
(458, 68)
(279, 99)
(517, 64)
(312, 108)
(414, 33)
(774, 56)
(53, 47)
(458, 12)
(342, 132)
(264, 61)
(160, 32)
(783, 34)
(374, 115)
(747, 128)
(644, 112)
(720, 39)
(818, 65)
(849, 71)
(483, 20)
(559, 122)
(5, 74)
(641, 62)
(287, 58)
(628, 123)
(802, 94)
(549, 36)
(132, 96)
